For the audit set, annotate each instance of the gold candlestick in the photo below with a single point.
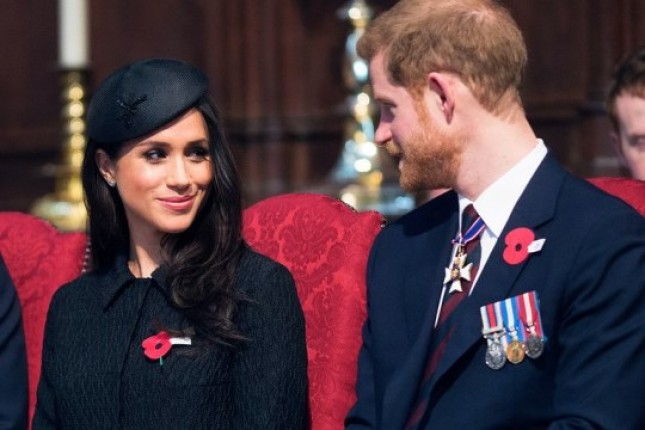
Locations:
(365, 185)
(65, 208)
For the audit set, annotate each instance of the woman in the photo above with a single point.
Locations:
(178, 324)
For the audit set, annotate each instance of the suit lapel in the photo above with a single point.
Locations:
(422, 286)
(535, 207)
(422, 289)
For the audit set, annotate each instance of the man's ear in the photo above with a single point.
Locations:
(614, 140)
(105, 166)
(439, 84)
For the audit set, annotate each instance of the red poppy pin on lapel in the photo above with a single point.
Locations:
(520, 242)
(157, 346)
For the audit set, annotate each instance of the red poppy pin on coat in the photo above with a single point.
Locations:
(520, 242)
(157, 346)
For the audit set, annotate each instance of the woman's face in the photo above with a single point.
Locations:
(162, 178)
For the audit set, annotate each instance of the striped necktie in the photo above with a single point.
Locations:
(458, 283)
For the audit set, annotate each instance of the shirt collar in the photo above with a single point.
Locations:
(497, 201)
(117, 277)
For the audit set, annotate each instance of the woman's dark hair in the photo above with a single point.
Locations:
(200, 261)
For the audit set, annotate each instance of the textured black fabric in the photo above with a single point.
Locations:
(95, 374)
(141, 97)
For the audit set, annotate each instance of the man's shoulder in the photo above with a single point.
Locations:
(426, 216)
(553, 191)
(584, 214)
(583, 197)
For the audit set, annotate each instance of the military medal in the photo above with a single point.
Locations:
(513, 330)
(458, 269)
(534, 345)
(515, 352)
(530, 315)
(493, 332)
(495, 357)
(515, 348)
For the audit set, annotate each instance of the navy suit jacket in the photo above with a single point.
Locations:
(590, 279)
(13, 360)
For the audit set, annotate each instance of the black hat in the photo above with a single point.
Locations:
(141, 97)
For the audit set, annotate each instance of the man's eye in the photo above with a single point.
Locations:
(387, 112)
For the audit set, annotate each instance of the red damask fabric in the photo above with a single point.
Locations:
(325, 245)
(632, 191)
(40, 259)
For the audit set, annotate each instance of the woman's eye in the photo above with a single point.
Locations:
(154, 155)
(198, 152)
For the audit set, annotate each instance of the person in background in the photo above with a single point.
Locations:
(626, 108)
(13, 358)
(515, 300)
(178, 324)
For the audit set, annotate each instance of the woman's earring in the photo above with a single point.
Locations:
(111, 183)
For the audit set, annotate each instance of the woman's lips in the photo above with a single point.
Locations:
(179, 204)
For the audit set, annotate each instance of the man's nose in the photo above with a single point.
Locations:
(382, 134)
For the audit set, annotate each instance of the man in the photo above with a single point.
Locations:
(551, 334)
(13, 361)
(626, 108)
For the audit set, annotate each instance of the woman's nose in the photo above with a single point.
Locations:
(178, 174)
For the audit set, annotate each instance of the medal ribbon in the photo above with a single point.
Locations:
(521, 334)
(498, 315)
(490, 321)
(485, 321)
(473, 231)
(529, 311)
(510, 322)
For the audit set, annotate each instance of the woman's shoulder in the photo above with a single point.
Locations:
(255, 263)
(259, 272)
(269, 296)
(81, 290)
(76, 286)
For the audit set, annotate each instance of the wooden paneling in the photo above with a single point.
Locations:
(275, 67)
(573, 46)
(29, 108)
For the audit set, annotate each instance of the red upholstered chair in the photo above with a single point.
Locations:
(321, 240)
(632, 191)
(325, 245)
(40, 259)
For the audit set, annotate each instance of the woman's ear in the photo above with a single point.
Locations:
(439, 84)
(105, 166)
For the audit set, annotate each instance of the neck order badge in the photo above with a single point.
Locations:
(458, 270)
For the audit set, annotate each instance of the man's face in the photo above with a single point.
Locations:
(428, 157)
(629, 141)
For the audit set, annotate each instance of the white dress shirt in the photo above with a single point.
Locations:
(495, 205)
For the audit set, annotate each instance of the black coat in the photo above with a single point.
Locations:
(95, 374)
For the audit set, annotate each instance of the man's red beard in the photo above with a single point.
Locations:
(430, 157)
